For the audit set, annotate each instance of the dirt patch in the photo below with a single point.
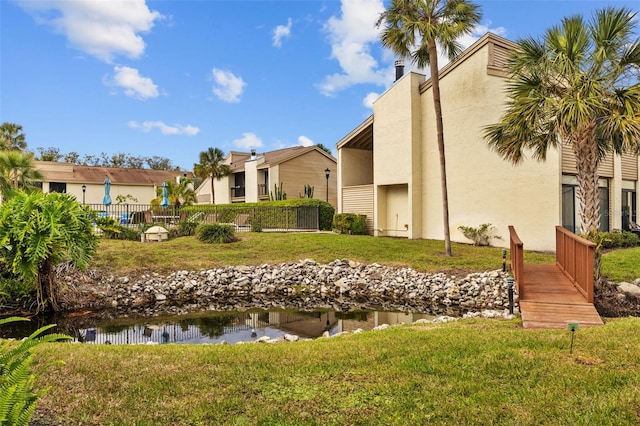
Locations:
(611, 303)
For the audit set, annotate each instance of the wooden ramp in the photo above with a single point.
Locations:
(549, 300)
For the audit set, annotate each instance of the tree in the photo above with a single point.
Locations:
(37, 232)
(178, 194)
(49, 154)
(12, 137)
(211, 166)
(577, 84)
(415, 29)
(324, 148)
(17, 171)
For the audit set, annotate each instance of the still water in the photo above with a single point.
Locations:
(218, 327)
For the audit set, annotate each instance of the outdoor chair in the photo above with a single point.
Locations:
(633, 227)
(241, 222)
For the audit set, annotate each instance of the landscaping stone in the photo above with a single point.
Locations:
(342, 285)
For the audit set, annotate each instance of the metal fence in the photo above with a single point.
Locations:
(244, 218)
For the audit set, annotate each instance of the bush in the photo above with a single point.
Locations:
(113, 230)
(618, 239)
(17, 399)
(265, 214)
(481, 236)
(187, 228)
(215, 233)
(15, 293)
(350, 223)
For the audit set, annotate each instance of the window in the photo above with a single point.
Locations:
(569, 207)
(58, 187)
(628, 208)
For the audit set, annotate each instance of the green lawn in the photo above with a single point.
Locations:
(124, 257)
(469, 372)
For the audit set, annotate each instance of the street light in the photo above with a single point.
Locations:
(326, 174)
(84, 190)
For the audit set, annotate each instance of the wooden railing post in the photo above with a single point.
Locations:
(517, 259)
(575, 258)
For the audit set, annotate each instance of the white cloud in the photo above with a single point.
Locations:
(133, 83)
(305, 141)
(165, 129)
(369, 99)
(280, 32)
(227, 86)
(103, 29)
(351, 37)
(248, 141)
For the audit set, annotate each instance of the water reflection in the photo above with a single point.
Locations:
(229, 327)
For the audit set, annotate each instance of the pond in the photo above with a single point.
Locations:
(211, 327)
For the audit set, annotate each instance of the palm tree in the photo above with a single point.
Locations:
(415, 29)
(577, 84)
(178, 194)
(17, 171)
(12, 137)
(211, 166)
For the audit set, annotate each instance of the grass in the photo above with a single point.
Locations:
(130, 257)
(622, 264)
(468, 372)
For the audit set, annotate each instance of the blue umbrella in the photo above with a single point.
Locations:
(165, 198)
(107, 198)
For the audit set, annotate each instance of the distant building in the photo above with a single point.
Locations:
(253, 176)
(87, 182)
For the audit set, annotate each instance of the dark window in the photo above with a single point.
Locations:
(603, 195)
(628, 208)
(569, 207)
(58, 187)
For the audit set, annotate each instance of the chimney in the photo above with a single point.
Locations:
(253, 154)
(399, 69)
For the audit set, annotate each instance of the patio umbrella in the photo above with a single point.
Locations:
(165, 198)
(107, 187)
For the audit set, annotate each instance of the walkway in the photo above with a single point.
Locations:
(552, 296)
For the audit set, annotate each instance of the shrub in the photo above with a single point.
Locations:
(15, 293)
(618, 239)
(481, 236)
(187, 228)
(216, 233)
(17, 399)
(350, 223)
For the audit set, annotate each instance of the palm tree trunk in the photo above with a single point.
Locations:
(213, 198)
(587, 161)
(435, 88)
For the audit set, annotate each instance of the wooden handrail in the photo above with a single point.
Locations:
(575, 257)
(517, 259)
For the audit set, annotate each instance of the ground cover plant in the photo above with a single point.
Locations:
(467, 372)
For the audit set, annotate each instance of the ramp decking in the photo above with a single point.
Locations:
(550, 301)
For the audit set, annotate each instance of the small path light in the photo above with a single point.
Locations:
(572, 326)
(510, 292)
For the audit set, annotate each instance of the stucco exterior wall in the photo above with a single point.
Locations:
(309, 169)
(397, 152)
(360, 167)
(482, 187)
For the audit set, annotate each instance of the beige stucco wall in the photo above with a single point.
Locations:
(482, 187)
(251, 181)
(359, 169)
(396, 156)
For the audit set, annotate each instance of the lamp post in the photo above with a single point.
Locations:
(326, 174)
(84, 191)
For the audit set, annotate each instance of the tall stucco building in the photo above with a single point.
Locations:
(389, 168)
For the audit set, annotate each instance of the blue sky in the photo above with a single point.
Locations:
(172, 78)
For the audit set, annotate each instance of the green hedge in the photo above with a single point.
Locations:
(616, 239)
(282, 214)
(349, 223)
